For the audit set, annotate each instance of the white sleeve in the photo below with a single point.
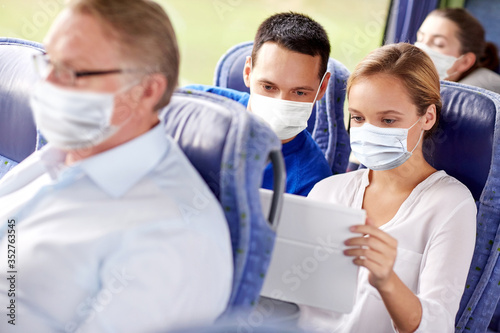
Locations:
(445, 267)
(160, 278)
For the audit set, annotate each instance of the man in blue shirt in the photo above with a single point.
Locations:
(286, 74)
(98, 225)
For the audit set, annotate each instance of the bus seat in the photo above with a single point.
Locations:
(467, 146)
(487, 12)
(326, 123)
(18, 135)
(253, 324)
(229, 69)
(465, 134)
(494, 326)
(230, 148)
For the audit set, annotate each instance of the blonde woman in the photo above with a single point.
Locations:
(415, 249)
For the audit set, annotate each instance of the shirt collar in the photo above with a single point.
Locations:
(53, 159)
(116, 170)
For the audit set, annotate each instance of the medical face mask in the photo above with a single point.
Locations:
(442, 62)
(286, 118)
(381, 148)
(71, 119)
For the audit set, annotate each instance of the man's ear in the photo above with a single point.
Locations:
(466, 62)
(324, 85)
(246, 71)
(154, 88)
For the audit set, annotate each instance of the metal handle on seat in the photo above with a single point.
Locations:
(279, 181)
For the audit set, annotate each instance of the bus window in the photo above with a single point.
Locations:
(206, 29)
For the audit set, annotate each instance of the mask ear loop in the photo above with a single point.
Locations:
(455, 72)
(319, 88)
(320, 84)
(420, 137)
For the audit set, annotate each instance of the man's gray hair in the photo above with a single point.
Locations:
(143, 31)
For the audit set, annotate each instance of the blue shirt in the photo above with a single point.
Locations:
(117, 242)
(304, 161)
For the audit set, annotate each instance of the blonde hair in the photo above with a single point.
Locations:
(412, 67)
(144, 34)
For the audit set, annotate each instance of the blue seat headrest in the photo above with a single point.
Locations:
(17, 72)
(190, 121)
(230, 148)
(229, 70)
(462, 144)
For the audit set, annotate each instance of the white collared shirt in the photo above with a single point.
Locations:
(436, 230)
(129, 240)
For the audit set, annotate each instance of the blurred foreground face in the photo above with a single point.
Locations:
(79, 43)
(90, 98)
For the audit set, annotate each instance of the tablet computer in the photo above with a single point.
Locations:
(308, 266)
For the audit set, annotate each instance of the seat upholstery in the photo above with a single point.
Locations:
(230, 149)
(229, 69)
(462, 144)
(487, 12)
(466, 146)
(326, 123)
(18, 136)
(250, 324)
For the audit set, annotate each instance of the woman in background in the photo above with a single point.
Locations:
(454, 40)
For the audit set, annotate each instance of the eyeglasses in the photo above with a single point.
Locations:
(65, 75)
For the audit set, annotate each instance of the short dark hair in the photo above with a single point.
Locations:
(295, 32)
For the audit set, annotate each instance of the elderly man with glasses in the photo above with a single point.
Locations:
(94, 236)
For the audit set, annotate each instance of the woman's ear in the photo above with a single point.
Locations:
(466, 62)
(429, 117)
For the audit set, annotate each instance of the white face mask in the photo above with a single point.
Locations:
(286, 118)
(381, 148)
(442, 62)
(71, 119)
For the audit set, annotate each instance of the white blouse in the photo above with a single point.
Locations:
(436, 231)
